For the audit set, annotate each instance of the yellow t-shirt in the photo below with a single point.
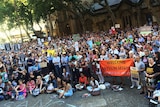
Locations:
(46, 43)
(51, 52)
(149, 70)
(43, 51)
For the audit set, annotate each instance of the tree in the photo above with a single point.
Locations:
(109, 10)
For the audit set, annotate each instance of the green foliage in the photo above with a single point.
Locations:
(25, 12)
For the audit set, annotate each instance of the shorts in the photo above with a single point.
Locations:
(142, 79)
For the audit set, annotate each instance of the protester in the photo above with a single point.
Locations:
(83, 82)
(21, 91)
(93, 85)
(66, 91)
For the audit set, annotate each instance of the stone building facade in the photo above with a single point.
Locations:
(134, 13)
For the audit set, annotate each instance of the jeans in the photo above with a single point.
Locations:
(90, 89)
(58, 71)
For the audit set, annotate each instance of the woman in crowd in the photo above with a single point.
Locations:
(150, 81)
(83, 82)
(66, 91)
(21, 90)
(31, 85)
(93, 85)
(52, 83)
(40, 85)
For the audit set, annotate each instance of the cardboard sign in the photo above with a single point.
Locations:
(76, 37)
(117, 26)
(134, 74)
(43, 64)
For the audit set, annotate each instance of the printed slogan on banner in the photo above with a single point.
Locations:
(117, 67)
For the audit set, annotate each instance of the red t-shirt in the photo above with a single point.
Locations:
(83, 80)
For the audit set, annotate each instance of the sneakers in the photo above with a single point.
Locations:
(132, 87)
(153, 101)
(120, 89)
(139, 87)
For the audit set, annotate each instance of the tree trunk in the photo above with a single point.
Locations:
(25, 29)
(39, 26)
(51, 26)
(113, 18)
(21, 33)
(32, 27)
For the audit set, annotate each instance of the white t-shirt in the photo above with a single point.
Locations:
(95, 83)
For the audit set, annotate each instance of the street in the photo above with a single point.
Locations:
(108, 98)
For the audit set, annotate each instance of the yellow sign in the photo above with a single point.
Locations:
(134, 74)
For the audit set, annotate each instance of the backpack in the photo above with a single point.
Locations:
(95, 93)
(50, 87)
(36, 92)
(1, 97)
(6, 97)
(20, 96)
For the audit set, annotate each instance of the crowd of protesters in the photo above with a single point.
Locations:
(61, 64)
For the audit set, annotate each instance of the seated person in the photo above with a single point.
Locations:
(59, 84)
(40, 85)
(7, 90)
(46, 78)
(31, 85)
(94, 85)
(32, 76)
(83, 82)
(21, 90)
(3, 74)
(2, 85)
(52, 83)
(66, 91)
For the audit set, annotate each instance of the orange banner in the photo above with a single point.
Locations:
(116, 67)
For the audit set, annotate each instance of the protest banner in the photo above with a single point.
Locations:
(116, 67)
(134, 74)
(145, 30)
